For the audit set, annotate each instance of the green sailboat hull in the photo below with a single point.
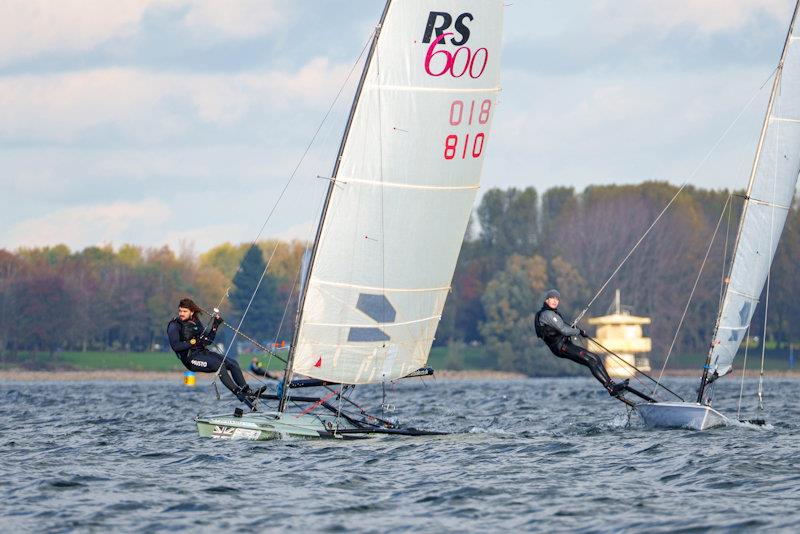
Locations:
(263, 426)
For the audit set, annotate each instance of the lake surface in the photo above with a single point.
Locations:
(530, 455)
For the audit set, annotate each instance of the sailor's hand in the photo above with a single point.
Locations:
(201, 341)
(217, 320)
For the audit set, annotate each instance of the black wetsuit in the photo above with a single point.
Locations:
(189, 340)
(557, 334)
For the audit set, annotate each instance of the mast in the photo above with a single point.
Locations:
(287, 376)
(704, 381)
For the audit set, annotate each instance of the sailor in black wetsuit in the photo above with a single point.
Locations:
(557, 334)
(189, 339)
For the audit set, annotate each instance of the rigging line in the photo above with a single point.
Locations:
(277, 356)
(635, 375)
(384, 301)
(314, 137)
(295, 282)
(725, 255)
(306, 151)
(621, 359)
(665, 388)
(691, 294)
(744, 368)
(760, 407)
(669, 204)
(247, 309)
(339, 411)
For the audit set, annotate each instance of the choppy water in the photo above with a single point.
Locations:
(533, 455)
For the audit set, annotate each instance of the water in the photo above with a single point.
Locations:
(533, 455)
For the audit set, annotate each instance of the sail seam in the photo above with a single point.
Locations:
(431, 89)
(382, 325)
(783, 119)
(745, 295)
(403, 345)
(409, 186)
(770, 204)
(390, 289)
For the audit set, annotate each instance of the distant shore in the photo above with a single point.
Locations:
(124, 375)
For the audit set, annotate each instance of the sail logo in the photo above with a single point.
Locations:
(439, 21)
(441, 61)
(379, 309)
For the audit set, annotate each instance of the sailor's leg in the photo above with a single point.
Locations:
(235, 371)
(589, 359)
(225, 378)
(597, 363)
(205, 361)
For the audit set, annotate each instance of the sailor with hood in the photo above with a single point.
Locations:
(558, 336)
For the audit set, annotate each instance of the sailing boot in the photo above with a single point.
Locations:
(615, 390)
(242, 393)
(255, 393)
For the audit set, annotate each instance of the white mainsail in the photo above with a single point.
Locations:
(404, 187)
(768, 200)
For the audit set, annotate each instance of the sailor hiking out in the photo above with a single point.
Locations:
(558, 336)
(190, 341)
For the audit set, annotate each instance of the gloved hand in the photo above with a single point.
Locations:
(203, 341)
(217, 320)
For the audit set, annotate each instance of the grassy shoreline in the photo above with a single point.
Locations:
(465, 362)
(129, 375)
(125, 375)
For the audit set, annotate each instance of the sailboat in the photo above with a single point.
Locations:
(396, 210)
(769, 196)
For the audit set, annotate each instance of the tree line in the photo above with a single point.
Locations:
(518, 244)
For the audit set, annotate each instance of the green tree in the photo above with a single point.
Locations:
(266, 309)
(509, 223)
(511, 300)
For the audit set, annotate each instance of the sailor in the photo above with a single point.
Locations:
(558, 335)
(258, 369)
(190, 341)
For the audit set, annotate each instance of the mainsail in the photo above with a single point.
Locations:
(769, 197)
(401, 193)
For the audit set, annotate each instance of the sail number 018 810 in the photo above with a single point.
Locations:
(468, 145)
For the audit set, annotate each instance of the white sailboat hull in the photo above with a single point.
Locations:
(689, 415)
(261, 426)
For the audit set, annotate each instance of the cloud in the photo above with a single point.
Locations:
(81, 226)
(31, 27)
(150, 107)
(623, 128)
(708, 16)
(240, 19)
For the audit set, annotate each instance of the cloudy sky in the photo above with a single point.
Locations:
(180, 121)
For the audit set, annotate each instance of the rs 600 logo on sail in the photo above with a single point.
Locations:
(463, 60)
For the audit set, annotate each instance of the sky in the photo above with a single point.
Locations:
(180, 122)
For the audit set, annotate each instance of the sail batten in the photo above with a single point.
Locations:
(406, 182)
(381, 183)
(769, 197)
(423, 89)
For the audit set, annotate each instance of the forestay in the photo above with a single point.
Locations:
(403, 191)
(769, 198)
